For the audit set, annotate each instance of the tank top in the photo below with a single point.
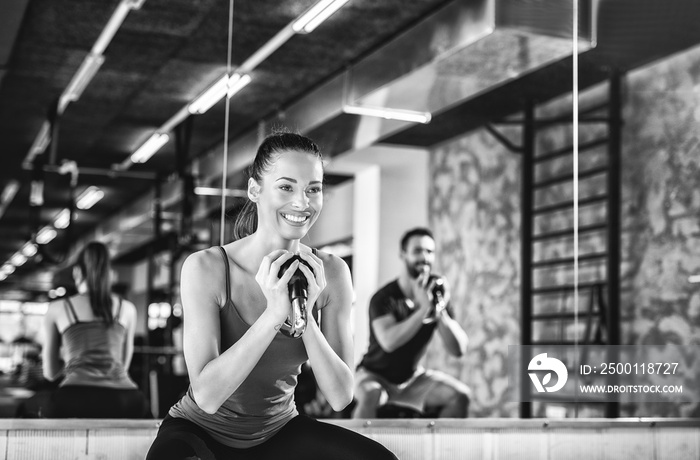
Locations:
(264, 402)
(94, 351)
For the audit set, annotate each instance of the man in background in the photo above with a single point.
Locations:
(404, 315)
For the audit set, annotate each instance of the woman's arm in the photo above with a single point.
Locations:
(52, 363)
(216, 374)
(129, 316)
(331, 351)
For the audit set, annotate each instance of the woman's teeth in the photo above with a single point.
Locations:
(297, 219)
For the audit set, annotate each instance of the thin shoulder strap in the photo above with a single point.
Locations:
(228, 272)
(70, 311)
(314, 251)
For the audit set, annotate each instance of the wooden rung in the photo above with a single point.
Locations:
(570, 178)
(568, 260)
(570, 204)
(566, 288)
(569, 232)
(569, 149)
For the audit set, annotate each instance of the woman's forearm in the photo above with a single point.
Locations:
(221, 376)
(333, 374)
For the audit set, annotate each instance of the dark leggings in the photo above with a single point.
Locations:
(96, 402)
(302, 438)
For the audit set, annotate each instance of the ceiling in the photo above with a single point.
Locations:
(465, 61)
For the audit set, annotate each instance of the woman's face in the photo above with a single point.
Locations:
(290, 197)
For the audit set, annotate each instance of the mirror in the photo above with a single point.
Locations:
(498, 82)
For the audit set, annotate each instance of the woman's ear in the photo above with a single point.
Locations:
(253, 190)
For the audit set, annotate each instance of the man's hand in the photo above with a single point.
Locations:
(421, 294)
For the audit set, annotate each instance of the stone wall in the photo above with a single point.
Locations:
(661, 212)
(474, 209)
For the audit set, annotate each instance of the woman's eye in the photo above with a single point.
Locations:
(315, 190)
(286, 188)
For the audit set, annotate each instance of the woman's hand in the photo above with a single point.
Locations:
(274, 288)
(316, 279)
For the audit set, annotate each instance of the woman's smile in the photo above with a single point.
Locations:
(296, 219)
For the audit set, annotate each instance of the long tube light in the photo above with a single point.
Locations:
(41, 142)
(389, 114)
(214, 191)
(8, 194)
(91, 64)
(217, 91)
(150, 147)
(29, 249)
(62, 219)
(7, 268)
(46, 235)
(85, 73)
(18, 259)
(114, 23)
(315, 15)
(89, 197)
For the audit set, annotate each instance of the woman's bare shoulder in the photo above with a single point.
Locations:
(332, 264)
(201, 261)
(55, 308)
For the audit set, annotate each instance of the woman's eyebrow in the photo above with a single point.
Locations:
(295, 181)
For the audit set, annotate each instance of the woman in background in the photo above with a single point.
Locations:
(243, 369)
(96, 329)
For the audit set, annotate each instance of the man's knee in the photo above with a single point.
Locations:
(369, 396)
(370, 393)
(447, 400)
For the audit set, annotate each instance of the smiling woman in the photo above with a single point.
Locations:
(296, 202)
(243, 370)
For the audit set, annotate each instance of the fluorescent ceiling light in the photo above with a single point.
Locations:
(315, 15)
(41, 142)
(30, 249)
(114, 23)
(266, 50)
(151, 146)
(237, 82)
(91, 64)
(18, 259)
(8, 194)
(217, 91)
(694, 279)
(389, 114)
(3, 276)
(45, 235)
(88, 198)
(213, 191)
(62, 220)
(7, 268)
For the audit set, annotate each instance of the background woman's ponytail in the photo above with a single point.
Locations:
(95, 268)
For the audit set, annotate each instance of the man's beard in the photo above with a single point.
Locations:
(415, 270)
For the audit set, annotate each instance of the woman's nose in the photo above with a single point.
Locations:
(300, 201)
